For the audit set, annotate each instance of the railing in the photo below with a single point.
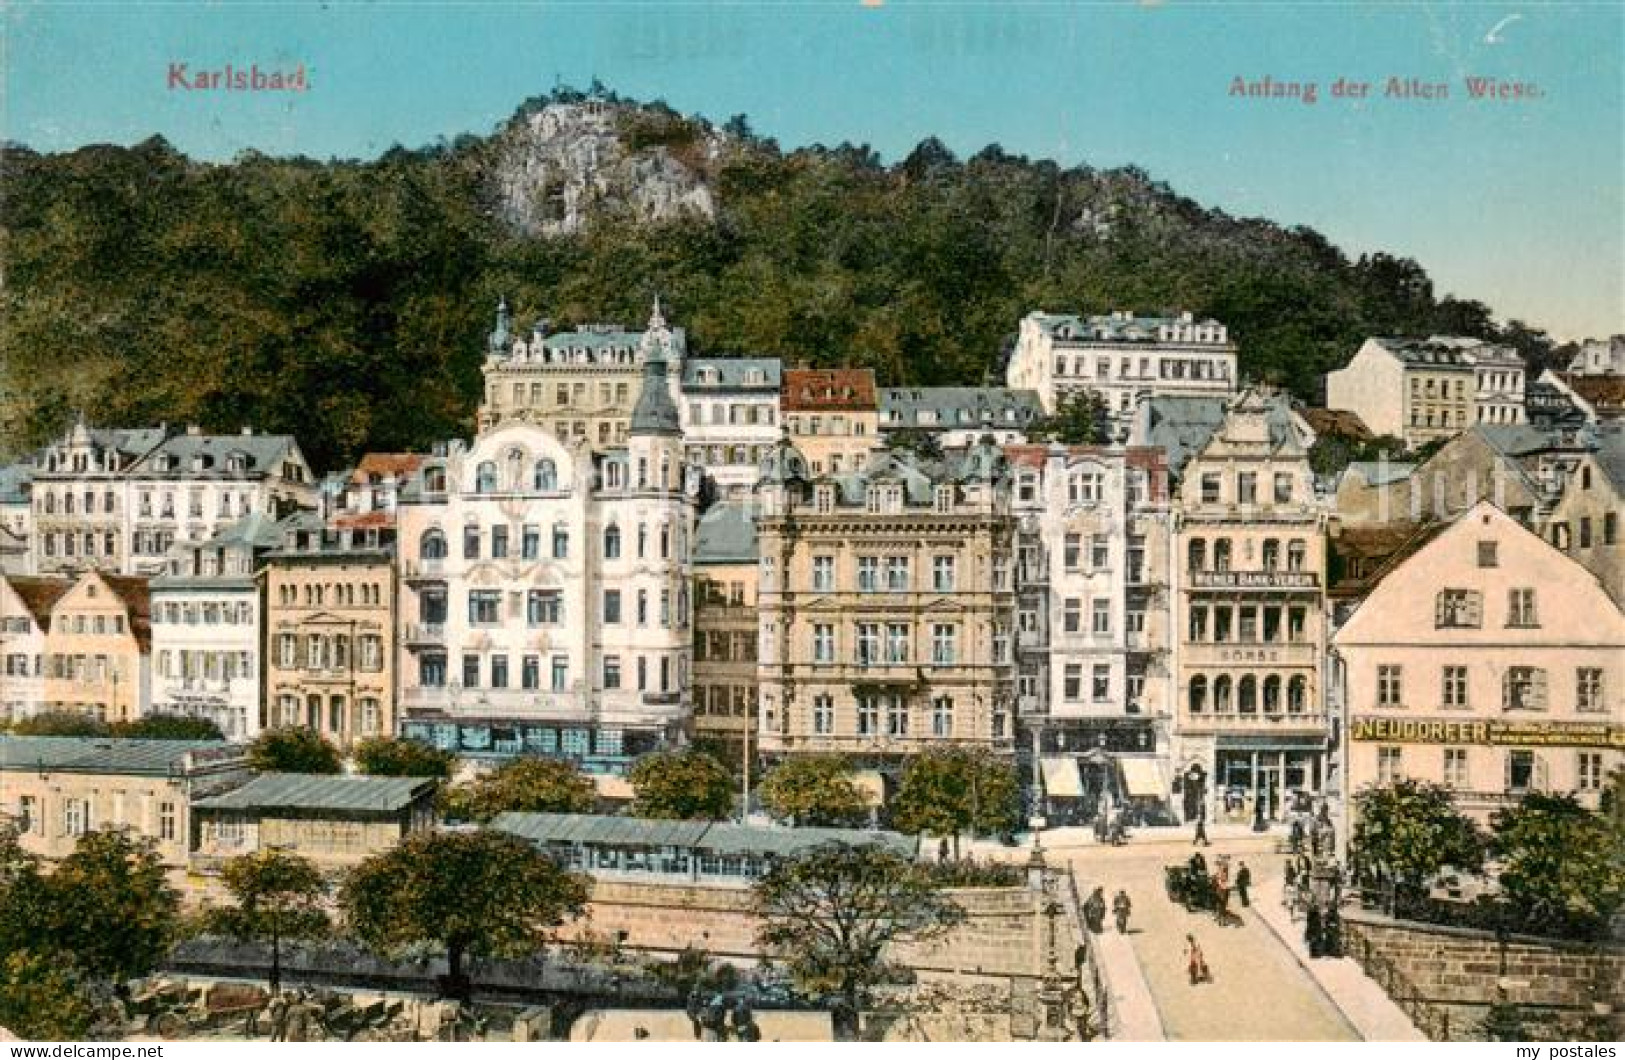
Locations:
(425, 633)
(424, 568)
(1274, 720)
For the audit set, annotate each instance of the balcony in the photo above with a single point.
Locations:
(420, 634)
(479, 702)
(1271, 721)
(420, 570)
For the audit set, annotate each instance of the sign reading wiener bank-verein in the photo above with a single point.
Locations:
(1525, 733)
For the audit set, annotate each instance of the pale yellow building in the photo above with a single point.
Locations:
(833, 416)
(98, 650)
(725, 628)
(1412, 389)
(330, 622)
(1487, 661)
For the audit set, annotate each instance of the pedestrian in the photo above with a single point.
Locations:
(1195, 962)
(942, 851)
(1297, 834)
(1311, 930)
(1201, 839)
(1094, 910)
(1244, 880)
(1198, 864)
(1121, 907)
(1221, 908)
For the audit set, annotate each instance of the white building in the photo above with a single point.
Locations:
(960, 416)
(1121, 356)
(545, 591)
(1600, 357)
(206, 621)
(25, 619)
(730, 414)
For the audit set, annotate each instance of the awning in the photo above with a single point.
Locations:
(872, 785)
(1142, 778)
(1061, 778)
(612, 787)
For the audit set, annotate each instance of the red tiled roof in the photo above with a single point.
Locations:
(386, 465)
(39, 595)
(1339, 422)
(1149, 459)
(364, 521)
(1605, 393)
(815, 389)
(137, 597)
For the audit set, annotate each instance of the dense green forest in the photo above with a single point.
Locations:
(346, 301)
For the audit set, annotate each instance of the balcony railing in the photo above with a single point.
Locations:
(417, 569)
(1261, 721)
(425, 633)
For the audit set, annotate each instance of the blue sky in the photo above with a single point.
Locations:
(1520, 204)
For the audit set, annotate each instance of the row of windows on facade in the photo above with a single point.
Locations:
(1564, 539)
(499, 543)
(1269, 554)
(545, 607)
(884, 574)
(719, 414)
(891, 643)
(1246, 689)
(206, 666)
(228, 503)
(716, 646)
(721, 455)
(329, 651)
(1084, 487)
(78, 816)
(566, 395)
(1244, 487)
(1522, 771)
(812, 424)
(1464, 609)
(1522, 688)
(1240, 624)
(1211, 368)
(725, 701)
(292, 710)
(494, 672)
(1438, 388)
(204, 613)
(1442, 418)
(99, 625)
(892, 714)
(331, 594)
(543, 475)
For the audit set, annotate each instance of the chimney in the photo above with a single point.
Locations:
(192, 430)
(248, 432)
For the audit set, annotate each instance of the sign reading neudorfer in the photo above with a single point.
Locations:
(1526, 733)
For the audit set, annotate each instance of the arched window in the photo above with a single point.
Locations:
(1198, 554)
(612, 542)
(1272, 554)
(1272, 694)
(1247, 695)
(432, 545)
(50, 503)
(485, 478)
(547, 475)
(1221, 554)
(1221, 694)
(1297, 695)
(1198, 694)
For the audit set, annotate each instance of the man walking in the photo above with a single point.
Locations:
(1244, 880)
(1201, 839)
(1121, 907)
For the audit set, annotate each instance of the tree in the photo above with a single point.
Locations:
(110, 904)
(22, 895)
(60, 723)
(815, 790)
(1560, 863)
(293, 750)
(830, 912)
(1407, 832)
(168, 727)
(278, 896)
(952, 790)
(41, 996)
(522, 785)
(472, 894)
(1079, 419)
(681, 785)
(384, 756)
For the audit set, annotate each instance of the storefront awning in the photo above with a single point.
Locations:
(1061, 779)
(1142, 778)
(873, 787)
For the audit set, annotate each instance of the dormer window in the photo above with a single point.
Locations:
(824, 499)
(236, 463)
(945, 499)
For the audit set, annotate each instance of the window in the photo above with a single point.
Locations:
(1210, 487)
(544, 607)
(1072, 684)
(1389, 689)
(485, 478)
(868, 714)
(944, 644)
(868, 643)
(1588, 771)
(499, 542)
(1454, 691)
(823, 574)
(471, 542)
(471, 671)
(1525, 771)
(1610, 528)
(612, 542)
(484, 607)
(1458, 609)
(1521, 608)
(1488, 554)
(1272, 554)
(868, 574)
(896, 716)
(1072, 551)
(1196, 697)
(1072, 615)
(1588, 689)
(897, 574)
(545, 477)
(1283, 487)
(823, 643)
(432, 545)
(1247, 487)
(896, 642)
(75, 816)
(1390, 765)
(612, 607)
(1523, 688)
(823, 714)
(1100, 616)
(530, 543)
(1296, 554)
(561, 541)
(561, 673)
(942, 574)
(1455, 768)
(1083, 487)
(499, 671)
(942, 716)
(1221, 554)
(1197, 555)
(530, 672)
(1100, 687)
(612, 671)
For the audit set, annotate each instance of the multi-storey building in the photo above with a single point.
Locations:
(1584, 521)
(730, 411)
(16, 519)
(1252, 729)
(1489, 662)
(1420, 390)
(1600, 357)
(886, 605)
(369, 496)
(1121, 356)
(80, 498)
(545, 591)
(26, 604)
(1092, 637)
(725, 628)
(98, 648)
(329, 629)
(833, 417)
(579, 385)
(206, 629)
(960, 416)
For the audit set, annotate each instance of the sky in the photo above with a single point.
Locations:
(1519, 203)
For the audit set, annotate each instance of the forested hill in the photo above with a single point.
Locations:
(347, 302)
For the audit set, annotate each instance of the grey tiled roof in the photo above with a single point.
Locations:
(1181, 425)
(655, 412)
(958, 407)
(300, 791)
(67, 754)
(261, 452)
(1112, 328)
(1438, 352)
(718, 837)
(726, 534)
(1380, 473)
(1611, 454)
(730, 372)
(14, 480)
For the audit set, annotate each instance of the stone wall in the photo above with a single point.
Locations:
(1446, 978)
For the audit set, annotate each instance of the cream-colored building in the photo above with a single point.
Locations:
(725, 627)
(26, 604)
(330, 622)
(1420, 390)
(833, 417)
(55, 789)
(1585, 520)
(579, 385)
(886, 604)
(98, 650)
(1487, 661)
(1249, 626)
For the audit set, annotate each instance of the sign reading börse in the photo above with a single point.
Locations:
(1529, 733)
